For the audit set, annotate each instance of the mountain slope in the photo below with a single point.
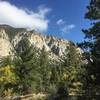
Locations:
(10, 37)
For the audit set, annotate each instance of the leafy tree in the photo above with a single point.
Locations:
(91, 45)
(8, 78)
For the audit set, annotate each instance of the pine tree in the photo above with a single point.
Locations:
(72, 68)
(26, 67)
(44, 70)
(91, 45)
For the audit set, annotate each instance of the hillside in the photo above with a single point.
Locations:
(39, 61)
(10, 37)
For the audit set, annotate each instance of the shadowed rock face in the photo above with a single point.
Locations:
(10, 37)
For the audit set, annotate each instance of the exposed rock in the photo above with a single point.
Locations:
(6, 48)
(10, 37)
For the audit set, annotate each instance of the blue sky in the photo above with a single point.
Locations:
(61, 18)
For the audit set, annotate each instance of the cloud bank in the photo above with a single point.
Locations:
(63, 27)
(23, 18)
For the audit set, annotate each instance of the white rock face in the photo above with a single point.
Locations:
(38, 41)
(51, 44)
(56, 47)
(6, 47)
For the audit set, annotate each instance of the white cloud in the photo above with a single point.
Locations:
(60, 22)
(63, 27)
(24, 18)
(67, 28)
(71, 26)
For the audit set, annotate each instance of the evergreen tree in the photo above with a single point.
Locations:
(6, 61)
(91, 45)
(72, 70)
(44, 69)
(26, 67)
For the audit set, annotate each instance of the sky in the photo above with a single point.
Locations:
(60, 18)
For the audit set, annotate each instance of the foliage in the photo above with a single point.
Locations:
(33, 71)
(7, 74)
(72, 70)
(91, 45)
(8, 78)
(26, 67)
(44, 70)
(93, 12)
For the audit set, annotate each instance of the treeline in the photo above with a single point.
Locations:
(32, 71)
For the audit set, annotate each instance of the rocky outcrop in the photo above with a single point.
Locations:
(10, 37)
(6, 48)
